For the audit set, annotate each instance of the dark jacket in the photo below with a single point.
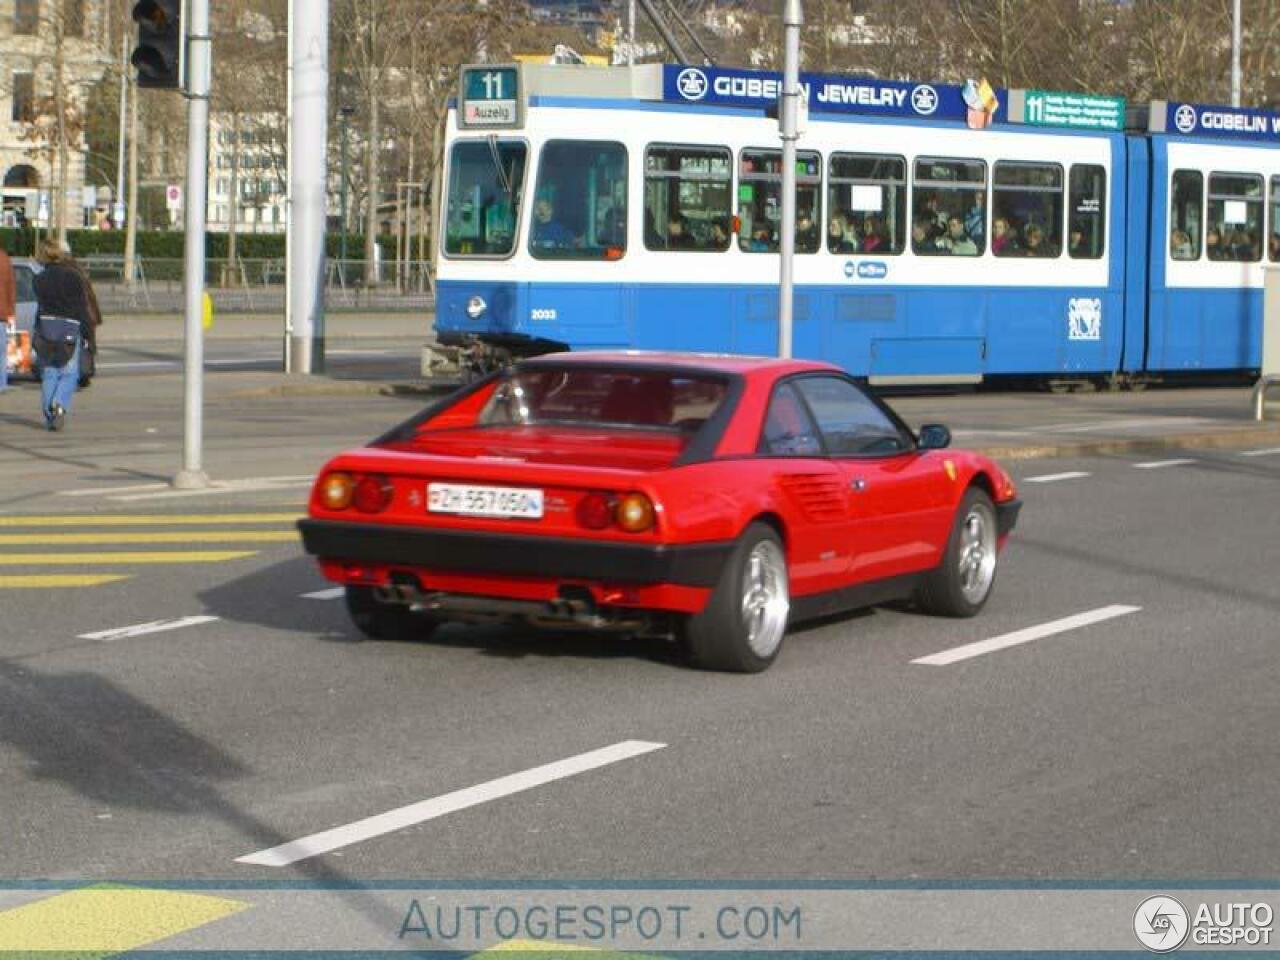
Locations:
(8, 288)
(62, 291)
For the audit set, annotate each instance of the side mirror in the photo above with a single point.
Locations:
(934, 436)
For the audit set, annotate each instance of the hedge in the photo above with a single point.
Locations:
(171, 244)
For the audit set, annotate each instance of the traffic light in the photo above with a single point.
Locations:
(158, 55)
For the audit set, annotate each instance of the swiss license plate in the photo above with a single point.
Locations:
(476, 501)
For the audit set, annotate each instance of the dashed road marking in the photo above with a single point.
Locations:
(247, 485)
(1018, 637)
(1269, 452)
(99, 922)
(333, 593)
(142, 629)
(154, 536)
(1158, 464)
(123, 557)
(40, 581)
(415, 813)
(99, 491)
(1055, 477)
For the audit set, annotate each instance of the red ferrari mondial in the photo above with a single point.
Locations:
(713, 499)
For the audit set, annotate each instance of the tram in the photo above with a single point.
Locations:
(639, 207)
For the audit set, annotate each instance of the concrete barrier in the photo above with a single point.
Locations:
(1270, 373)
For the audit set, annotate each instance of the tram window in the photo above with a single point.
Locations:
(1235, 217)
(1026, 205)
(486, 178)
(686, 198)
(866, 204)
(949, 204)
(760, 201)
(1273, 238)
(1186, 212)
(580, 204)
(1087, 212)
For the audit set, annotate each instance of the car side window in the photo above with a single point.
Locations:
(788, 428)
(850, 422)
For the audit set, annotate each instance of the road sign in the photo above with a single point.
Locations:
(173, 196)
(1048, 108)
(88, 197)
(490, 96)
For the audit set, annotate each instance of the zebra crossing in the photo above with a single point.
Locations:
(100, 549)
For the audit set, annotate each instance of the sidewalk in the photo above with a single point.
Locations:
(413, 327)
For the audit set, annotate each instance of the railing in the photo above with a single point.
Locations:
(257, 285)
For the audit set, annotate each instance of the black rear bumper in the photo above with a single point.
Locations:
(514, 555)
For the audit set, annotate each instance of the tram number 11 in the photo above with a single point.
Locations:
(492, 81)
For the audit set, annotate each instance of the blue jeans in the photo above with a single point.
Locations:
(58, 384)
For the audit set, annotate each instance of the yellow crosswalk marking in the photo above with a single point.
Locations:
(39, 581)
(144, 520)
(154, 536)
(122, 557)
(100, 922)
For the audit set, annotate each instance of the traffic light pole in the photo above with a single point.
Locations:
(199, 72)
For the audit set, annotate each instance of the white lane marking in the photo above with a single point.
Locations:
(142, 629)
(1269, 452)
(138, 364)
(1125, 424)
(101, 490)
(357, 353)
(1054, 477)
(424, 810)
(1157, 464)
(331, 594)
(970, 650)
(247, 485)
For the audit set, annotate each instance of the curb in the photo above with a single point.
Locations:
(347, 388)
(1173, 441)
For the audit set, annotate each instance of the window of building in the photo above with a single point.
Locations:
(580, 204)
(26, 16)
(24, 97)
(1235, 217)
(850, 422)
(486, 178)
(760, 201)
(1273, 238)
(1087, 212)
(686, 198)
(73, 18)
(949, 207)
(1026, 206)
(866, 204)
(1186, 214)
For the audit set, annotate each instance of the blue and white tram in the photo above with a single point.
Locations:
(634, 208)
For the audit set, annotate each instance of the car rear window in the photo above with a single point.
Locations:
(628, 398)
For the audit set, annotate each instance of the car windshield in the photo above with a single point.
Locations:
(586, 397)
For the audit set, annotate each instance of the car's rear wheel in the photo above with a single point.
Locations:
(960, 585)
(381, 620)
(743, 624)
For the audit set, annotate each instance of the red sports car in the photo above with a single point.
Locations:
(714, 499)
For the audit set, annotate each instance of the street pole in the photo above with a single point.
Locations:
(1235, 53)
(308, 134)
(345, 114)
(792, 20)
(117, 208)
(199, 67)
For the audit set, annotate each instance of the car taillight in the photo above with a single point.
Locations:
(634, 512)
(373, 494)
(595, 512)
(336, 491)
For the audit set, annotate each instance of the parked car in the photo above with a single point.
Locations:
(713, 499)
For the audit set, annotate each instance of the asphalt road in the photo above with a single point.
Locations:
(1139, 747)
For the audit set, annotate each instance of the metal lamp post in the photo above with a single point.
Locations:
(344, 113)
(792, 20)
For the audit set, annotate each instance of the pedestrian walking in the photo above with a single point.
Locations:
(63, 315)
(8, 314)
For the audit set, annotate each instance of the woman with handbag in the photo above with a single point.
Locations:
(63, 315)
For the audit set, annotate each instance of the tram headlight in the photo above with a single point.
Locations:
(476, 308)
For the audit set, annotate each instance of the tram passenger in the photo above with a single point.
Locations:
(1273, 247)
(841, 237)
(957, 242)
(1036, 245)
(975, 217)
(1180, 246)
(719, 234)
(761, 239)
(1075, 241)
(548, 232)
(1003, 241)
(1242, 246)
(806, 231)
(1213, 246)
(679, 236)
(921, 236)
(873, 235)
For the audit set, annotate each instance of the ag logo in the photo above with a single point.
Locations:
(1161, 924)
(1184, 118)
(692, 84)
(924, 99)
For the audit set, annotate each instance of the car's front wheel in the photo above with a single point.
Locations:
(742, 626)
(381, 620)
(961, 584)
